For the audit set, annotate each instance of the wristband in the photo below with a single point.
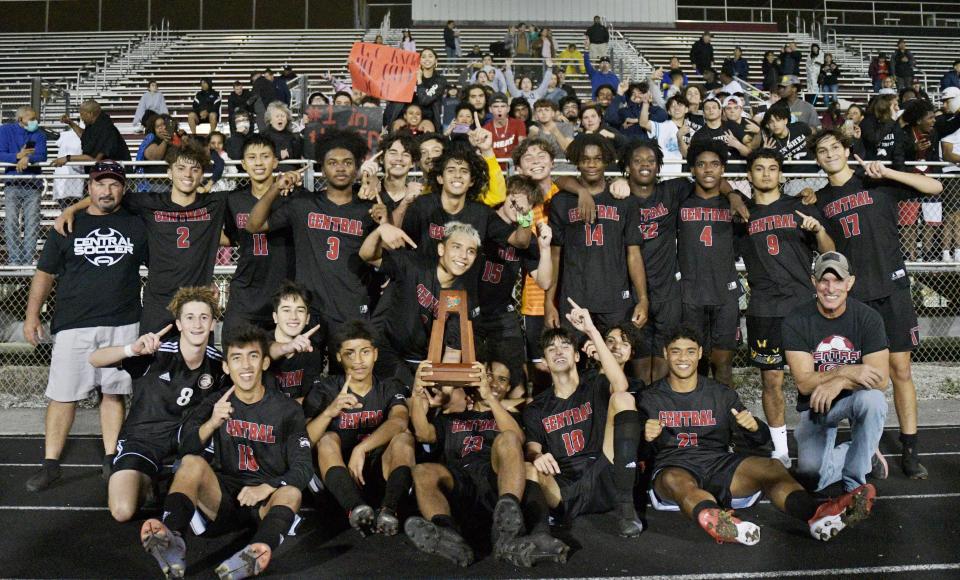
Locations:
(128, 351)
(525, 220)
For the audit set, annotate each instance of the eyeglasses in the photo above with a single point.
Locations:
(110, 166)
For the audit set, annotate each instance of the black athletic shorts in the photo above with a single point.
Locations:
(532, 331)
(663, 318)
(231, 516)
(475, 488)
(154, 317)
(144, 455)
(714, 476)
(234, 318)
(765, 342)
(500, 338)
(590, 491)
(899, 319)
(719, 326)
(390, 365)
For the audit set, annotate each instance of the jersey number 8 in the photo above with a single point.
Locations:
(184, 399)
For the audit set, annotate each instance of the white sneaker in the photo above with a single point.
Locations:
(956, 255)
(947, 256)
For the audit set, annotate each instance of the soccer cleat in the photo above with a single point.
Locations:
(248, 562)
(43, 478)
(167, 547)
(441, 541)
(630, 527)
(528, 551)
(507, 521)
(724, 527)
(878, 466)
(846, 510)
(910, 463)
(387, 522)
(362, 519)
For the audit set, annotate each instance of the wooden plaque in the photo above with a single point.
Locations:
(452, 374)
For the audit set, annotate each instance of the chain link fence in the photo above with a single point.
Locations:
(933, 234)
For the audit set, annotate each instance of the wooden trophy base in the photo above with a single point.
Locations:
(453, 375)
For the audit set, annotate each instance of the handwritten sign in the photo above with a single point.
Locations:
(368, 121)
(383, 71)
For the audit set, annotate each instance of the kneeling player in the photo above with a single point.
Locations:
(363, 420)
(260, 447)
(482, 467)
(584, 431)
(173, 376)
(690, 419)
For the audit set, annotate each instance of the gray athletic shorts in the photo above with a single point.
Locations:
(72, 377)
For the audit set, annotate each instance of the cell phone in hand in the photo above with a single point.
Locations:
(30, 145)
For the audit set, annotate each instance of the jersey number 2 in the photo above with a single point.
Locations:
(183, 237)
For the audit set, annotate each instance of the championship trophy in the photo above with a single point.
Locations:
(463, 373)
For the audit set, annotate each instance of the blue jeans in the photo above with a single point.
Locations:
(451, 53)
(22, 198)
(822, 459)
(829, 93)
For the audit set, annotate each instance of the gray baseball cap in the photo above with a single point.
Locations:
(831, 262)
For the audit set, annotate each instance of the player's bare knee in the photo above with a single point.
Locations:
(676, 479)
(506, 442)
(531, 472)
(425, 474)
(329, 445)
(122, 510)
(287, 496)
(623, 402)
(191, 466)
(901, 371)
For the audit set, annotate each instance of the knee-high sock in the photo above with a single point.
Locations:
(274, 526)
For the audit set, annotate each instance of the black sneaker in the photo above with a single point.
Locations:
(528, 551)
(910, 463)
(107, 468)
(878, 466)
(362, 519)
(47, 474)
(441, 541)
(507, 521)
(387, 522)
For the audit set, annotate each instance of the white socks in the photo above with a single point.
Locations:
(780, 450)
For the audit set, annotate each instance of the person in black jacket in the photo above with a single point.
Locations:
(239, 100)
(206, 106)
(790, 60)
(264, 93)
(881, 134)
(829, 79)
(690, 420)
(261, 462)
(903, 64)
(99, 137)
(701, 53)
(771, 71)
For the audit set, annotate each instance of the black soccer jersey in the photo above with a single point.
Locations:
(658, 224)
(697, 425)
(265, 259)
(705, 133)
(835, 342)
(466, 437)
(706, 249)
(862, 220)
(425, 220)
(182, 240)
(411, 302)
(165, 388)
(572, 428)
(354, 425)
(327, 239)
(793, 147)
(593, 264)
(294, 376)
(100, 258)
(500, 269)
(778, 256)
(264, 442)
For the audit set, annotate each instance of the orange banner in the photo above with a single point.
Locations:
(383, 71)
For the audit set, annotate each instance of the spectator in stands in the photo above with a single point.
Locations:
(693, 95)
(206, 106)
(558, 87)
(265, 94)
(918, 89)
(450, 40)
(240, 99)
(476, 97)
(342, 99)
(815, 60)
(497, 82)
(431, 86)
(550, 125)
(829, 79)
(790, 60)
(881, 134)
(624, 112)
(548, 48)
(161, 134)
(673, 83)
(599, 37)
(412, 121)
(733, 112)
(832, 118)
(408, 43)
(448, 104)
(281, 86)
(151, 100)
(591, 121)
(738, 65)
(523, 88)
(603, 76)
(67, 191)
(462, 121)
(710, 82)
(728, 84)
(771, 71)
(605, 95)
(234, 143)
(572, 59)
(668, 133)
(701, 53)
(279, 130)
(475, 53)
(801, 110)
(920, 144)
(507, 132)
(570, 109)
(878, 71)
(23, 145)
(520, 109)
(903, 64)
(952, 78)
(99, 137)
(716, 128)
(378, 39)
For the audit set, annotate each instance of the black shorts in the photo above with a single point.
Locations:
(145, 456)
(899, 319)
(475, 488)
(500, 338)
(714, 476)
(532, 331)
(375, 482)
(719, 326)
(765, 342)
(663, 318)
(154, 317)
(390, 365)
(231, 516)
(234, 318)
(590, 491)
(603, 320)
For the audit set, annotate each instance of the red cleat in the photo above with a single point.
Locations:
(724, 527)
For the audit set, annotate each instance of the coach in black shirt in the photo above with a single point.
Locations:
(99, 138)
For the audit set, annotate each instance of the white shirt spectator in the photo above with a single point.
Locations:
(954, 140)
(666, 135)
(68, 144)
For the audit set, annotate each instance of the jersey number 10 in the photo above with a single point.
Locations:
(573, 442)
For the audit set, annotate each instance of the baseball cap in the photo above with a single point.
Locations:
(831, 262)
(787, 80)
(887, 91)
(499, 98)
(732, 99)
(108, 168)
(604, 59)
(950, 93)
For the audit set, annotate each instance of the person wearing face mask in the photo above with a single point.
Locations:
(238, 101)
(289, 144)
(151, 100)
(22, 145)
(234, 143)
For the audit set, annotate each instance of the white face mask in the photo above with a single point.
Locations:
(243, 127)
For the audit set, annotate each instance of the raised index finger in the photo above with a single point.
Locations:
(859, 159)
(310, 332)
(165, 330)
(799, 213)
(476, 119)
(226, 395)
(572, 303)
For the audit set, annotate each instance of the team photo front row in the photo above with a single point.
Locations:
(595, 394)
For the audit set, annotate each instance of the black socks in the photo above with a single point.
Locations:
(178, 511)
(535, 509)
(704, 505)
(398, 485)
(343, 488)
(274, 526)
(626, 441)
(800, 504)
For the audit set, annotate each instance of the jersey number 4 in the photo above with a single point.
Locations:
(706, 236)
(573, 442)
(593, 234)
(471, 444)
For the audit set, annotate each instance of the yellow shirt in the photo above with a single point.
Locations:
(496, 191)
(532, 297)
(572, 55)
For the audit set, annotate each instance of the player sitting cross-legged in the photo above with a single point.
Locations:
(689, 421)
